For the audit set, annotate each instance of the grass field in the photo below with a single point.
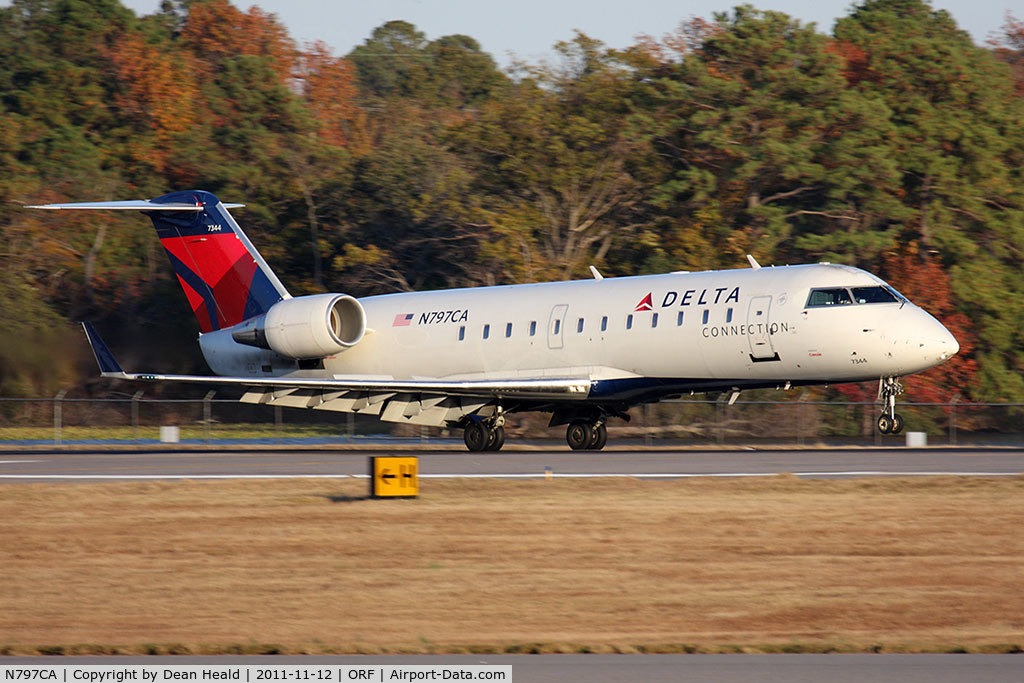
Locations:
(769, 565)
(187, 431)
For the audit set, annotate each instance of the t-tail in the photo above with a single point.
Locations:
(221, 272)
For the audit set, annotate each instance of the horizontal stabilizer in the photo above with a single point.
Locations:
(224, 278)
(129, 205)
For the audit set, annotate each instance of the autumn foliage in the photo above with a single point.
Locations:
(894, 144)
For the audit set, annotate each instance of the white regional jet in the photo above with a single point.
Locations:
(583, 351)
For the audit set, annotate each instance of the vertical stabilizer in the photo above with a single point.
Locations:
(224, 277)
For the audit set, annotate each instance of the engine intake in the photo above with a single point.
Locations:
(307, 326)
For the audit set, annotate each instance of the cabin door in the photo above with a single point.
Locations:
(556, 326)
(758, 322)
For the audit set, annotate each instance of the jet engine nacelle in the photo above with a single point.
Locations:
(307, 326)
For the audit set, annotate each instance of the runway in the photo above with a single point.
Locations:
(111, 465)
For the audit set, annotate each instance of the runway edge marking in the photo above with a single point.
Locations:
(540, 475)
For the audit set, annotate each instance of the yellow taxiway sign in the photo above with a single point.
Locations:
(394, 477)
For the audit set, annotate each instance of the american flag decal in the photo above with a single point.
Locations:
(402, 320)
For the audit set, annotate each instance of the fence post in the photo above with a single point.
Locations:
(800, 419)
(952, 419)
(208, 414)
(58, 417)
(135, 415)
(351, 425)
(277, 422)
(647, 424)
(719, 415)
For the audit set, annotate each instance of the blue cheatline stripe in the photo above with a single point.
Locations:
(262, 295)
(199, 285)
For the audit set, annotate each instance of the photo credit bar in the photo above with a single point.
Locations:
(284, 673)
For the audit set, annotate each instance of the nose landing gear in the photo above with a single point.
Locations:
(890, 422)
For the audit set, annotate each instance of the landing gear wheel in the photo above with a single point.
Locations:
(579, 435)
(897, 423)
(496, 440)
(599, 437)
(885, 424)
(477, 436)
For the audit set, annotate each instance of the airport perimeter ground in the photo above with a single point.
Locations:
(776, 564)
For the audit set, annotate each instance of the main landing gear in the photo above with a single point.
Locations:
(586, 436)
(890, 422)
(483, 435)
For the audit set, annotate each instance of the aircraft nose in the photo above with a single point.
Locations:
(936, 343)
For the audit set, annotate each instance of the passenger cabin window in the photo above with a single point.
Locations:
(508, 329)
(728, 315)
(604, 323)
(533, 328)
(487, 331)
(558, 327)
(462, 332)
(704, 317)
(654, 320)
(679, 319)
(629, 321)
(579, 325)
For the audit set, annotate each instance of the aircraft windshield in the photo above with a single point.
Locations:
(829, 297)
(873, 295)
(838, 296)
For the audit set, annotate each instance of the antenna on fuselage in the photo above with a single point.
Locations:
(596, 273)
(753, 262)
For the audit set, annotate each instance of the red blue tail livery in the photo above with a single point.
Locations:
(223, 276)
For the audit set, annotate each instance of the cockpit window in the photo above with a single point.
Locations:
(837, 296)
(829, 297)
(873, 295)
(899, 297)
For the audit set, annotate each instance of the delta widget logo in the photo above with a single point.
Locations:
(645, 304)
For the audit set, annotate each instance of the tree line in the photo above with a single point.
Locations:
(894, 144)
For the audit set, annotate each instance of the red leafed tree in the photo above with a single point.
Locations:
(329, 87)
(217, 30)
(922, 279)
(1010, 48)
(155, 95)
(856, 68)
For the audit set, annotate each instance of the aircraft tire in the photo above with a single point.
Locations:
(897, 423)
(477, 436)
(599, 437)
(578, 435)
(885, 424)
(496, 440)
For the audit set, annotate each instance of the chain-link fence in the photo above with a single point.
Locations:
(61, 420)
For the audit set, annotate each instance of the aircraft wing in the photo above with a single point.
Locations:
(554, 388)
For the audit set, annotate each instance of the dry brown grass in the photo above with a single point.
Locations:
(610, 565)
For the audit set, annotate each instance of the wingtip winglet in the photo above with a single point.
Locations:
(109, 367)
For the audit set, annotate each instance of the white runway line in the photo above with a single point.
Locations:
(12, 462)
(540, 475)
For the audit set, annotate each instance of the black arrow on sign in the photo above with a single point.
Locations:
(384, 475)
